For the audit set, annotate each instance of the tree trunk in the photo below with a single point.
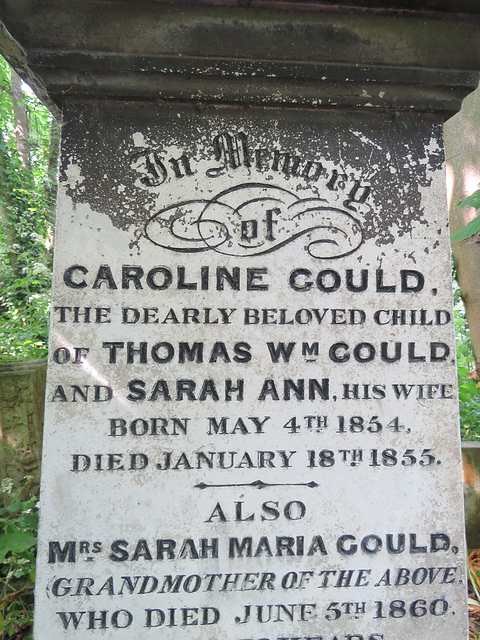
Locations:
(53, 154)
(21, 124)
(462, 147)
(9, 232)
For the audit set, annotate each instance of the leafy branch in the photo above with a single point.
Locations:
(473, 226)
(19, 523)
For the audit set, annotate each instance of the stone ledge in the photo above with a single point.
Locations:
(231, 54)
(265, 84)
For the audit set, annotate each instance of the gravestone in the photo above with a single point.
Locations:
(251, 424)
(22, 386)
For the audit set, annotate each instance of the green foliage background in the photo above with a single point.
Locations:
(26, 198)
(19, 525)
(468, 385)
(468, 375)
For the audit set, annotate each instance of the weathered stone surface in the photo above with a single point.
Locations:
(462, 138)
(267, 53)
(251, 426)
(22, 391)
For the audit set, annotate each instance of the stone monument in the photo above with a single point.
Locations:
(251, 417)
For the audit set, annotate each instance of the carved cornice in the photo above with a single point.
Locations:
(295, 54)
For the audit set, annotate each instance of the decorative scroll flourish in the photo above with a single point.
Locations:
(254, 219)
(258, 484)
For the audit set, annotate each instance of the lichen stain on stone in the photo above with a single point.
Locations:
(397, 158)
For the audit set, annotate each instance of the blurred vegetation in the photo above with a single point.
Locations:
(468, 383)
(29, 142)
(19, 525)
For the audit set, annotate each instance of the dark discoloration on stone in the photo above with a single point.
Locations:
(395, 157)
(263, 53)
